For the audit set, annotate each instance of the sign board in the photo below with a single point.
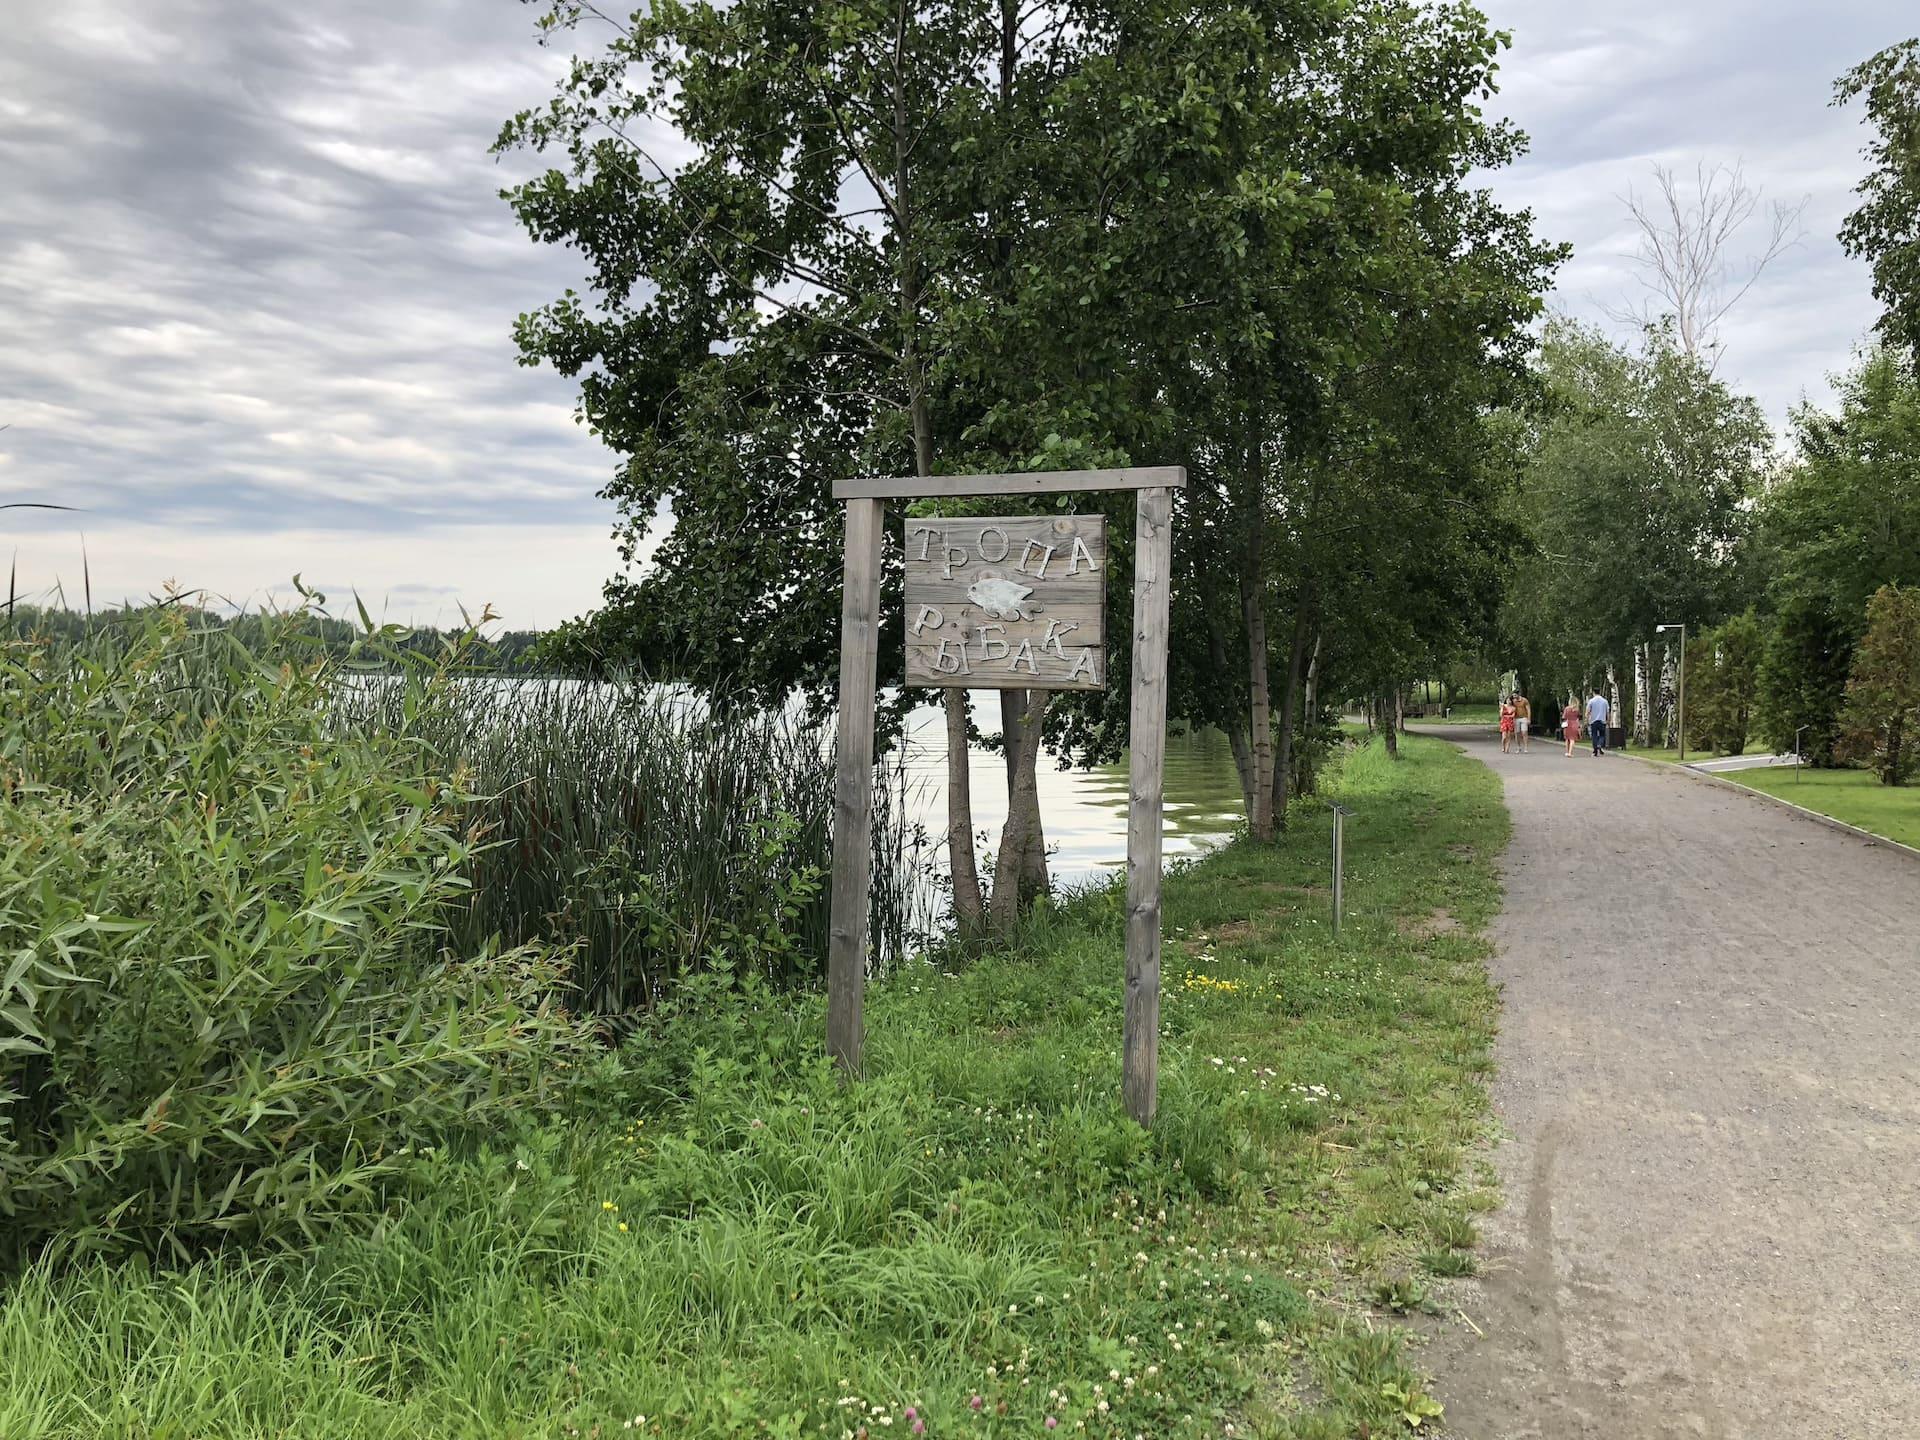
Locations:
(1006, 603)
(1013, 605)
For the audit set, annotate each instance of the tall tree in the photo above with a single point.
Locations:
(813, 252)
(1689, 231)
(1880, 722)
(1635, 494)
(1841, 521)
(1885, 230)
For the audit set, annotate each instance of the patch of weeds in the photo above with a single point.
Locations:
(1450, 1263)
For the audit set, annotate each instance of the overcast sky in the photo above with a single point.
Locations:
(257, 288)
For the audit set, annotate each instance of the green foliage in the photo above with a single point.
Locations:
(1880, 721)
(724, 1239)
(653, 831)
(1723, 683)
(923, 237)
(1855, 796)
(1803, 678)
(1885, 230)
(228, 1008)
(1845, 518)
(1633, 498)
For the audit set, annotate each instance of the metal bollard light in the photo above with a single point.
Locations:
(1340, 814)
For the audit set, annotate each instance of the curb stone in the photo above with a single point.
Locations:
(1709, 779)
(1814, 815)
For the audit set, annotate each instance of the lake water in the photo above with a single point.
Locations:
(1085, 811)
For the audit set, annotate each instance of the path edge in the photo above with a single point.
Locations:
(1814, 815)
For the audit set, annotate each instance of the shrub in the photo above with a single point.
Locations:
(1880, 723)
(1803, 678)
(1722, 683)
(228, 1008)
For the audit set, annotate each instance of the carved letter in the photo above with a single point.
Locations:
(1080, 550)
(951, 661)
(1005, 545)
(954, 556)
(1046, 554)
(926, 539)
(1056, 629)
(1025, 652)
(1084, 662)
(987, 642)
(929, 616)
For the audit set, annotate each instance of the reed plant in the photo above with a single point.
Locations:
(656, 831)
(231, 1005)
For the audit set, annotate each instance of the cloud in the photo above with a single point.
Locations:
(1607, 92)
(258, 286)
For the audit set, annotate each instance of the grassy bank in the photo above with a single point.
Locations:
(1855, 796)
(1470, 714)
(972, 1241)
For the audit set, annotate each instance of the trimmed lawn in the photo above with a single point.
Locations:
(1464, 715)
(1855, 796)
(1672, 757)
(972, 1241)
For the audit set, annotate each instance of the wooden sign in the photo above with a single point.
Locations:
(1007, 604)
(1027, 596)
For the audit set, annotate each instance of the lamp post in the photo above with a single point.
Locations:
(1683, 684)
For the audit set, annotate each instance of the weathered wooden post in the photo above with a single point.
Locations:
(1146, 766)
(1013, 603)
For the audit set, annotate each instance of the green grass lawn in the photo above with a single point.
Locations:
(1855, 796)
(1488, 714)
(1672, 756)
(972, 1241)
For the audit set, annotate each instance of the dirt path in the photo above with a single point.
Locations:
(1710, 1074)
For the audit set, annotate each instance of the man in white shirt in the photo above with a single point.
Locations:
(1598, 712)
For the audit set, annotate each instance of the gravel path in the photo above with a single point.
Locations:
(1710, 1079)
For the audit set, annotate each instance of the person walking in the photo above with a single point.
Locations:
(1570, 722)
(1522, 720)
(1598, 713)
(1506, 724)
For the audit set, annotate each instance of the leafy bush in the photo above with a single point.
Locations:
(1803, 678)
(1880, 724)
(1722, 683)
(227, 1003)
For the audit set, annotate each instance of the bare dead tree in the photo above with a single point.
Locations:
(1687, 234)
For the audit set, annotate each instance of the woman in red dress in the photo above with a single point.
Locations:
(1506, 724)
(1570, 724)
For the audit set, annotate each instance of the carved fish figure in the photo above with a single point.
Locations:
(1001, 598)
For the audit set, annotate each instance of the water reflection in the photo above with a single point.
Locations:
(1085, 810)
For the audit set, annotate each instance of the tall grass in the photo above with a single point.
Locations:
(659, 832)
(720, 1240)
(230, 1010)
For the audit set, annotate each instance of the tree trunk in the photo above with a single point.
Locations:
(1009, 866)
(1017, 731)
(1289, 709)
(1253, 611)
(1259, 714)
(1629, 701)
(1306, 776)
(1236, 737)
(1389, 729)
(1644, 695)
(969, 911)
(1664, 720)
